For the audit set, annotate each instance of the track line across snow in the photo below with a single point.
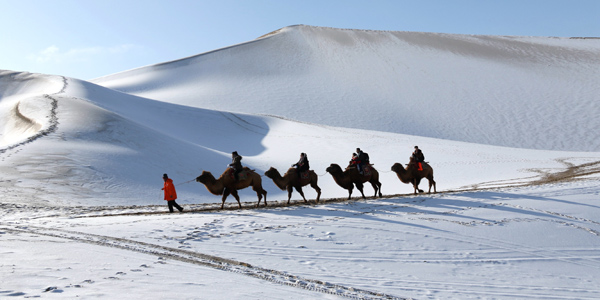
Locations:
(210, 261)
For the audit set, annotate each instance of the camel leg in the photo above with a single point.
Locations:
(260, 192)
(416, 185)
(265, 195)
(377, 188)
(318, 189)
(226, 193)
(359, 186)
(431, 182)
(289, 189)
(299, 189)
(350, 192)
(374, 188)
(237, 197)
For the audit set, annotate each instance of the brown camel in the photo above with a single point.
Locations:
(291, 180)
(350, 177)
(226, 184)
(412, 175)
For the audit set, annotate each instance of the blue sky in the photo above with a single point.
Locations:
(87, 39)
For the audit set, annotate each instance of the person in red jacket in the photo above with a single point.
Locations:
(170, 193)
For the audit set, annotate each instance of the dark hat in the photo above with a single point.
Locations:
(234, 153)
(165, 175)
(416, 147)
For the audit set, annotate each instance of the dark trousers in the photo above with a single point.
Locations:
(173, 203)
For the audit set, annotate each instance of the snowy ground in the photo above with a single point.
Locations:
(538, 242)
(81, 166)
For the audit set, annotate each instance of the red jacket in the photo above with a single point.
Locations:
(169, 188)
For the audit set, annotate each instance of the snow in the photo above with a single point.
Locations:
(507, 123)
(410, 81)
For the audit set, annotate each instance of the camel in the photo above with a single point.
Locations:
(412, 175)
(226, 184)
(291, 180)
(350, 177)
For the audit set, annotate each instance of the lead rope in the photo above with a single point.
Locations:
(185, 182)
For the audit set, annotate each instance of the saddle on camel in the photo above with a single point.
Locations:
(238, 175)
(366, 169)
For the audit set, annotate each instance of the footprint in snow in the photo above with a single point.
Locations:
(53, 289)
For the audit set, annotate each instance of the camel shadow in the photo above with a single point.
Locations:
(457, 204)
(431, 208)
(352, 209)
(499, 196)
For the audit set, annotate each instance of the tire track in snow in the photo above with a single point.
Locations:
(210, 261)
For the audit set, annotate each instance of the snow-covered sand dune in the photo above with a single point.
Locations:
(112, 148)
(530, 92)
(529, 232)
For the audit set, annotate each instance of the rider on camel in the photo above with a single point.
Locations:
(362, 160)
(236, 164)
(302, 165)
(354, 159)
(418, 158)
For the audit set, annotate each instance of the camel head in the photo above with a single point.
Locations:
(397, 167)
(334, 169)
(204, 177)
(272, 173)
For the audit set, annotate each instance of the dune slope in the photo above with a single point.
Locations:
(524, 92)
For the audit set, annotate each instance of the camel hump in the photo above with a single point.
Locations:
(303, 174)
(367, 170)
(247, 171)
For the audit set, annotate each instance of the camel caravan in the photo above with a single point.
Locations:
(356, 174)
